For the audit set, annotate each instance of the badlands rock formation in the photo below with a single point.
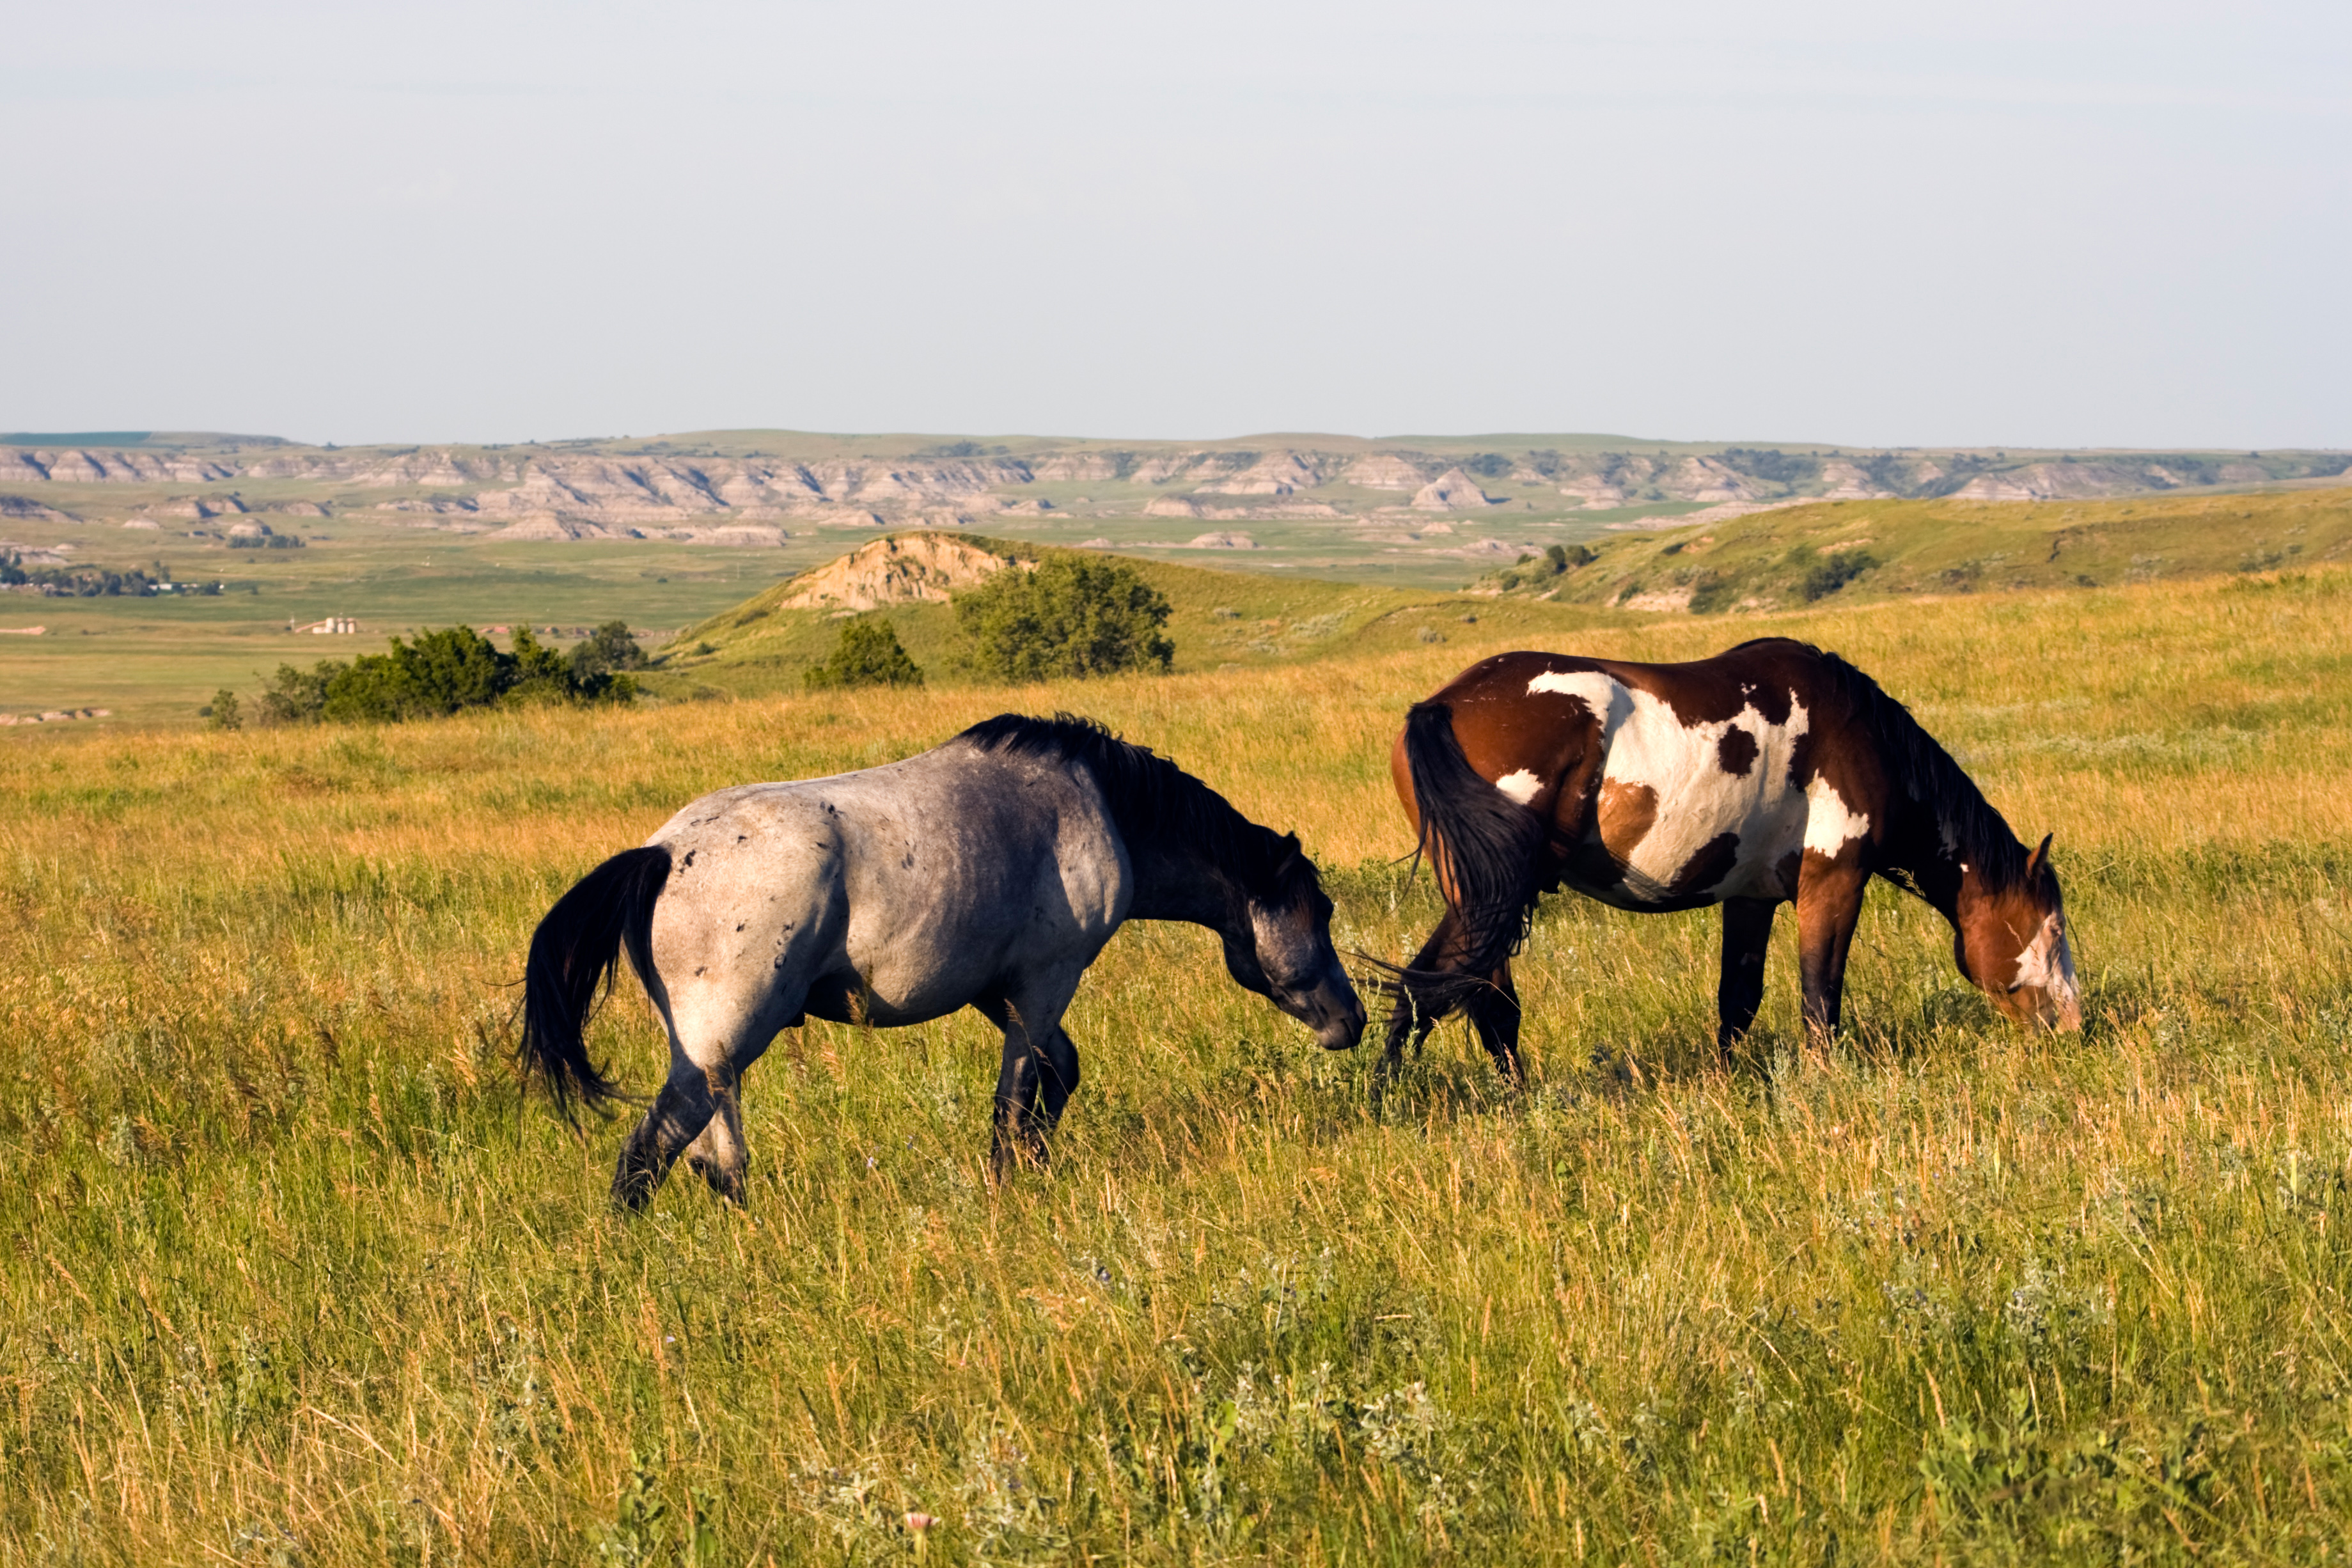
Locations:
(584, 491)
(1452, 490)
(1385, 471)
(1276, 474)
(905, 569)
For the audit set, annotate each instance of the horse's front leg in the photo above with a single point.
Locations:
(1829, 905)
(677, 1119)
(1040, 1069)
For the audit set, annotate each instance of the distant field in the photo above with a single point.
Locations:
(292, 1276)
(156, 661)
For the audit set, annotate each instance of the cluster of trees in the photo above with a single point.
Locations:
(444, 672)
(92, 582)
(1556, 560)
(1071, 617)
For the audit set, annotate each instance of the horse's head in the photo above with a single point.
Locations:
(1285, 953)
(2012, 944)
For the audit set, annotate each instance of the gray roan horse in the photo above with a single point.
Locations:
(989, 872)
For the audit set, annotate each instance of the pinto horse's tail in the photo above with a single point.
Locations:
(1484, 846)
(576, 949)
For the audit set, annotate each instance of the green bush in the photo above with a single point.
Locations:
(222, 713)
(869, 654)
(1835, 572)
(439, 673)
(1070, 617)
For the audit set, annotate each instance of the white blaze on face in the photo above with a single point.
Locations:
(1648, 746)
(1520, 786)
(1829, 826)
(2047, 964)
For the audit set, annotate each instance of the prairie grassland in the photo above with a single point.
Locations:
(293, 1275)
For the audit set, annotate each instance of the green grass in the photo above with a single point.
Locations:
(294, 1274)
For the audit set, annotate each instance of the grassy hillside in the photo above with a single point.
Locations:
(293, 1276)
(1766, 560)
(1220, 620)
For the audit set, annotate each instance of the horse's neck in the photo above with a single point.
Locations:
(1176, 882)
(1935, 870)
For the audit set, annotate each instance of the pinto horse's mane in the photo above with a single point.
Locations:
(1153, 800)
(1920, 767)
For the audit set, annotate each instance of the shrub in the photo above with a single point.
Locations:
(869, 654)
(1835, 572)
(1071, 616)
(609, 648)
(439, 673)
(222, 713)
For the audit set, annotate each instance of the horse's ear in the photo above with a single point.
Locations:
(2039, 861)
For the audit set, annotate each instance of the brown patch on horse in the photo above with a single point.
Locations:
(1735, 752)
(1627, 813)
(1791, 866)
(1712, 863)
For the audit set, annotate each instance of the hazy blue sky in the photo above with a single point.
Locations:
(1999, 222)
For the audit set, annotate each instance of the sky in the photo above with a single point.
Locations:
(2070, 223)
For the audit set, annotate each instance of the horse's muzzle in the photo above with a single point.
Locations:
(1344, 1030)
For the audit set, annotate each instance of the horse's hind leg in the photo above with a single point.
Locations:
(1494, 1015)
(716, 1153)
(677, 1119)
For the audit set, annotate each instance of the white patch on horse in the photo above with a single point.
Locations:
(1829, 826)
(1521, 786)
(1609, 700)
(1647, 745)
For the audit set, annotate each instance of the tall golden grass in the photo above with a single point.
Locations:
(293, 1275)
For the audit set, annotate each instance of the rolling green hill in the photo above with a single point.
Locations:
(1882, 549)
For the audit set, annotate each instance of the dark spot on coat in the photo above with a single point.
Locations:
(1737, 752)
(698, 973)
(1710, 864)
(689, 858)
(1791, 865)
(743, 838)
(739, 925)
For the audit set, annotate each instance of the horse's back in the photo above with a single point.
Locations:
(913, 883)
(1662, 786)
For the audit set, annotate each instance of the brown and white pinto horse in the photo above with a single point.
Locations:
(1769, 773)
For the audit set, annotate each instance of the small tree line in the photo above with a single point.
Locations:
(440, 673)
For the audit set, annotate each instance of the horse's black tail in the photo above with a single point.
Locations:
(1484, 848)
(576, 949)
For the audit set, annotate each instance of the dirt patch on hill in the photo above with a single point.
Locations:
(904, 568)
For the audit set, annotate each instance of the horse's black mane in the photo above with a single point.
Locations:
(1922, 770)
(1150, 798)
